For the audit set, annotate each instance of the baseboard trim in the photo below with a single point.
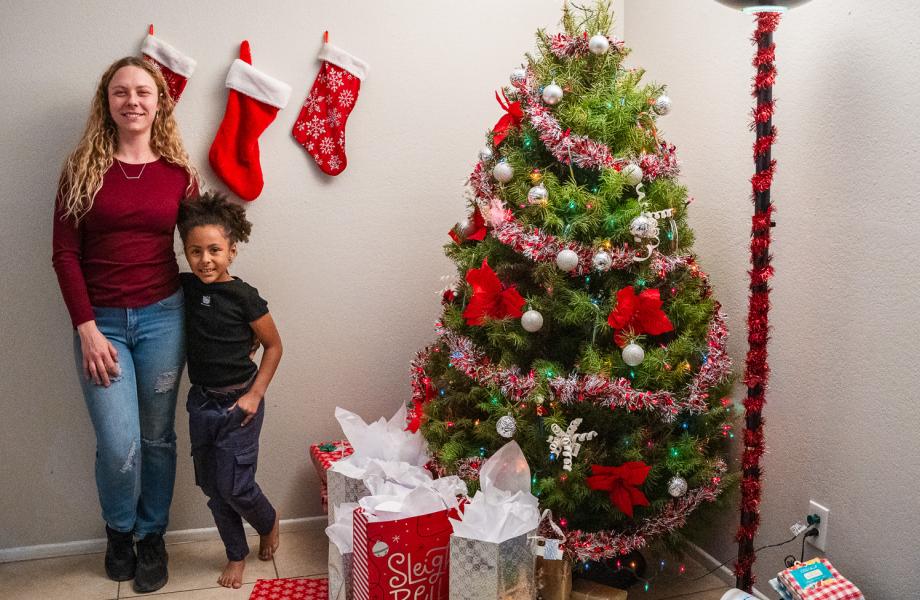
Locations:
(723, 572)
(172, 537)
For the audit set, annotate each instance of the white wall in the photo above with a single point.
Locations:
(841, 418)
(350, 265)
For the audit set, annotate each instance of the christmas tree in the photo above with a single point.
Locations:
(581, 325)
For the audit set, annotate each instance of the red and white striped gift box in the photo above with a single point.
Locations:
(837, 587)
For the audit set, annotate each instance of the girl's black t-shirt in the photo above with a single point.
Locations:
(217, 332)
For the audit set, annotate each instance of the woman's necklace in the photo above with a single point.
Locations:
(138, 176)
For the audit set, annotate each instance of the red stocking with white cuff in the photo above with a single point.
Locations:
(252, 104)
(320, 127)
(175, 66)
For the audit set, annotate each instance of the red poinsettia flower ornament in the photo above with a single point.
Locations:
(638, 314)
(622, 483)
(490, 298)
(512, 119)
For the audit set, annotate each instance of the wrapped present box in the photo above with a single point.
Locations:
(324, 455)
(817, 579)
(290, 589)
(584, 589)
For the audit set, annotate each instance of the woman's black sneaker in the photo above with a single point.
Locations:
(151, 572)
(120, 560)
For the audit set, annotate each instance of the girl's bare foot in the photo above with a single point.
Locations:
(232, 577)
(269, 542)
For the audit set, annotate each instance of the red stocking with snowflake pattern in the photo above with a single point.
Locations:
(320, 127)
(175, 66)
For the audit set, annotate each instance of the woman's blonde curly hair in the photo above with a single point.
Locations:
(81, 177)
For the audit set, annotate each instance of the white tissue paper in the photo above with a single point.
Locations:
(381, 440)
(503, 508)
(394, 499)
(340, 532)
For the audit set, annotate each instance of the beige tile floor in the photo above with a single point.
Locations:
(194, 566)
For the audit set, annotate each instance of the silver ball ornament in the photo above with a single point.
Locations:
(567, 260)
(537, 194)
(677, 486)
(518, 75)
(633, 173)
(644, 226)
(506, 426)
(503, 172)
(552, 94)
(465, 226)
(486, 154)
(598, 44)
(532, 321)
(602, 261)
(633, 355)
(662, 105)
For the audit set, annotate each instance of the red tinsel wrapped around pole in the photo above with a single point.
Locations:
(757, 371)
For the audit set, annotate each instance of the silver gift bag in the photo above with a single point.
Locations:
(340, 574)
(486, 571)
(341, 489)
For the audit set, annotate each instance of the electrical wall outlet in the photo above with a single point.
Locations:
(820, 541)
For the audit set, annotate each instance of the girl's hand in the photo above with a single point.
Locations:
(249, 404)
(100, 359)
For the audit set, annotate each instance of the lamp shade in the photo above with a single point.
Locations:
(756, 6)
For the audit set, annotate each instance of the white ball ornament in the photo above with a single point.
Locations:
(518, 75)
(598, 44)
(662, 105)
(602, 261)
(506, 426)
(644, 226)
(465, 226)
(486, 154)
(532, 321)
(567, 260)
(537, 195)
(633, 173)
(677, 486)
(503, 172)
(633, 355)
(552, 94)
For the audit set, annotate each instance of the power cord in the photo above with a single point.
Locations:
(810, 532)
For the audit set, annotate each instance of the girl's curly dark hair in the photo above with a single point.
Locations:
(213, 208)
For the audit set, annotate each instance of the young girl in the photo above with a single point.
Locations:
(224, 317)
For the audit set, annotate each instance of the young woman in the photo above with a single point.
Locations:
(114, 221)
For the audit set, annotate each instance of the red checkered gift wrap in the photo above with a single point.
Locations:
(323, 455)
(817, 579)
(403, 559)
(290, 589)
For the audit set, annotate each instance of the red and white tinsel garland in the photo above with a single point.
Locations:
(563, 45)
(467, 358)
(610, 544)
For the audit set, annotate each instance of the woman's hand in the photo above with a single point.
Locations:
(100, 359)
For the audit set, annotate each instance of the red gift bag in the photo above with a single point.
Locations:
(405, 559)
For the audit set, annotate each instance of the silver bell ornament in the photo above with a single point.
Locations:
(537, 195)
(552, 94)
(503, 172)
(602, 261)
(532, 321)
(567, 260)
(518, 75)
(633, 173)
(633, 354)
(662, 105)
(644, 227)
(486, 154)
(677, 486)
(506, 426)
(598, 44)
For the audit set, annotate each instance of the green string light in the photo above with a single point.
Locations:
(495, 400)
